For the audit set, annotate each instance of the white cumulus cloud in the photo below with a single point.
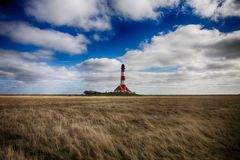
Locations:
(215, 8)
(39, 55)
(86, 14)
(187, 45)
(26, 34)
(100, 64)
(142, 9)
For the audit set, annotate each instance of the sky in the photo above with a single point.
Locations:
(167, 46)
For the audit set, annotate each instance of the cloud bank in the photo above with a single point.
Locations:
(97, 14)
(25, 72)
(189, 60)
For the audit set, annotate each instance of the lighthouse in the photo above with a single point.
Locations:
(122, 87)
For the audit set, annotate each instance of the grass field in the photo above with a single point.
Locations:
(119, 128)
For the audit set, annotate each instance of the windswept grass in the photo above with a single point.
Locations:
(112, 128)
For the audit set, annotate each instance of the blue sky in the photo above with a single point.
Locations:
(168, 46)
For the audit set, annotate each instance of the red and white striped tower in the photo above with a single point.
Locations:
(122, 81)
(122, 87)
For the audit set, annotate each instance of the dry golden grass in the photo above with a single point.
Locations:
(119, 128)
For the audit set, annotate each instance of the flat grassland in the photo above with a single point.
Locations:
(119, 128)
